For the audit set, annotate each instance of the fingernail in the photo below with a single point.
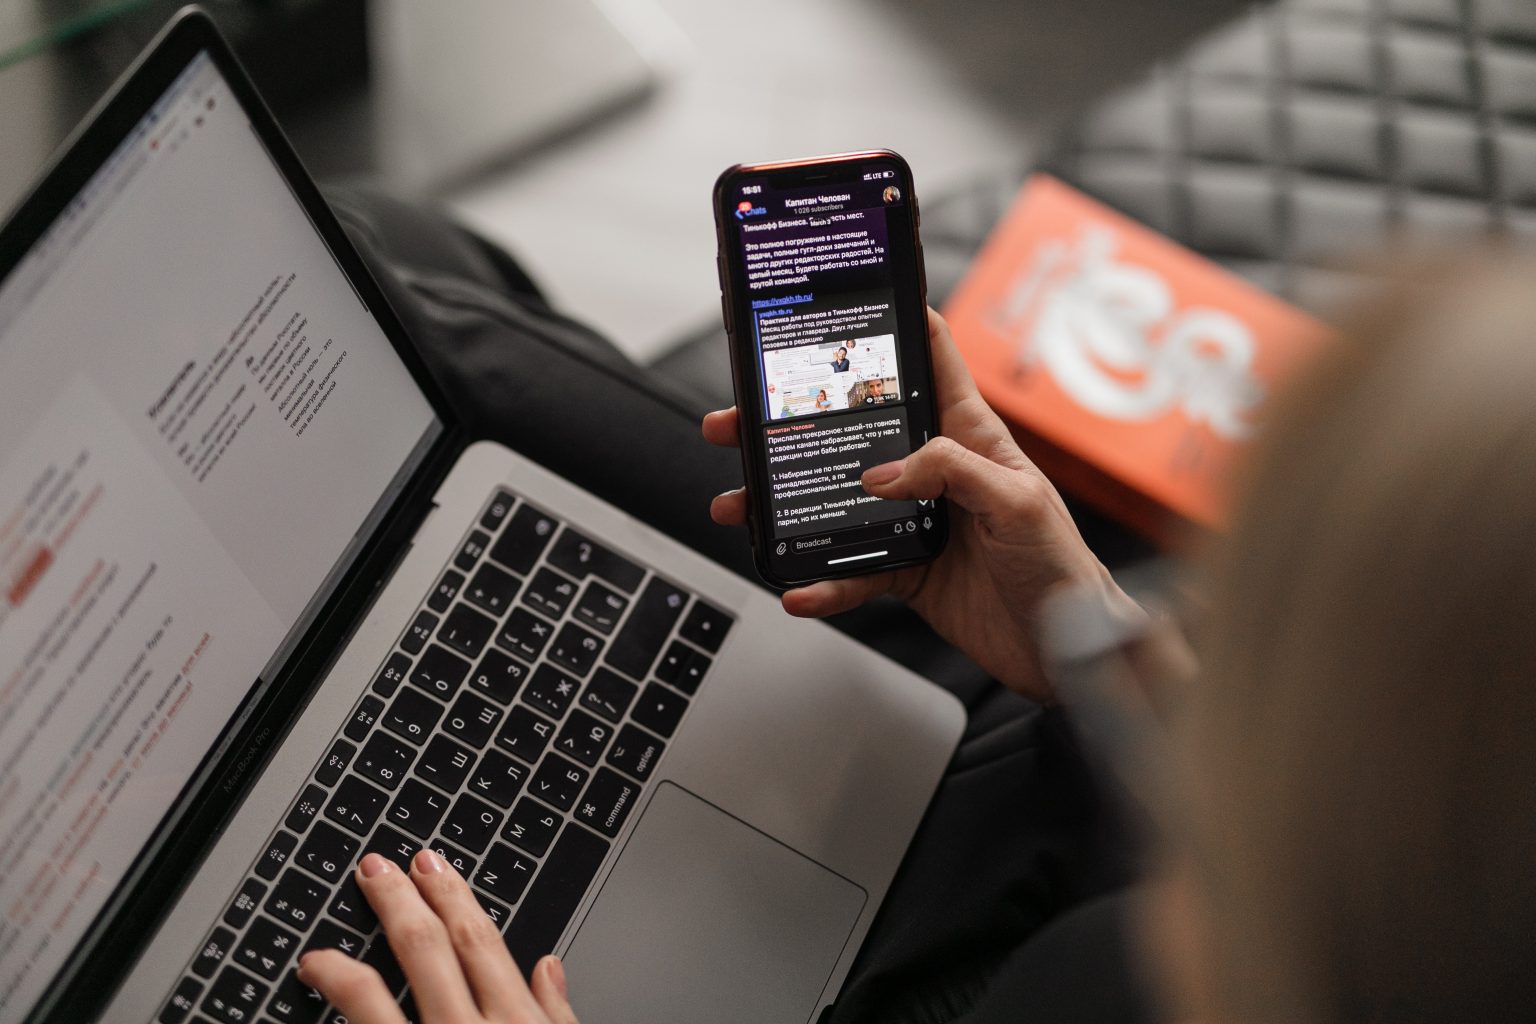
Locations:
(883, 474)
(429, 863)
(557, 975)
(374, 865)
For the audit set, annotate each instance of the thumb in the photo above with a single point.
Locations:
(943, 468)
(549, 989)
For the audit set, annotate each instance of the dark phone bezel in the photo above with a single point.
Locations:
(793, 173)
(117, 935)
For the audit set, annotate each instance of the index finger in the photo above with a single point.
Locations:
(723, 427)
(952, 381)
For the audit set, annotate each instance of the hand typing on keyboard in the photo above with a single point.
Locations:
(453, 956)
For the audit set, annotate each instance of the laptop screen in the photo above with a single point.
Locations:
(199, 419)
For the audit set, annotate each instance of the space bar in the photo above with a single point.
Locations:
(553, 897)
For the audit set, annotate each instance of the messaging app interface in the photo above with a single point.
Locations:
(834, 392)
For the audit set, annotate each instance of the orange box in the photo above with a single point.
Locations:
(1133, 371)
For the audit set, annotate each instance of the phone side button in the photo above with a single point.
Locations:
(725, 314)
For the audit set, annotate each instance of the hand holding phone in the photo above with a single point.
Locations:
(1012, 542)
(823, 297)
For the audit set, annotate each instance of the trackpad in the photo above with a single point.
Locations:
(705, 919)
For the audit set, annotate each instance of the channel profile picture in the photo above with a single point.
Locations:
(892, 194)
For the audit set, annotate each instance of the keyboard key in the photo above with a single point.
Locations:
(554, 895)
(294, 1002)
(525, 734)
(471, 823)
(296, 899)
(498, 778)
(496, 512)
(419, 633)
(682, 667)
(327, 853)
(394, 846)
(505, 873)
(266, 948)
(580, 557)
(636, 752)
(557, 782)
(444, 764)
(457, 859)
(659, 709)
(335, 763)
(693, 673)
(182, 1001)
(418, 809)
(531, 827)
(600, 607)
(213, 952)
(608, 694)
(384, 760)
(279, 849)
(583, 737)
(607, 802)
(706, 626)
(412, 715)
(440, 672)
(499, 676)
(447, 589)
(524, 634)
(466, 631)
(305, 808)
(356, 805)
(392, 674)
(363, 718)
(550, 593)
(498, 912)
(524, 539)
(382, 959)
(634, 650)
(330, 935)
(550, 690)
(472, 550)
(472, 719)
(351, 908)
(492, 590)
(244, 904)
(575, 649)
(235, 997)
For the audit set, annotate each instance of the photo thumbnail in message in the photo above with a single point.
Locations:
(852, 374)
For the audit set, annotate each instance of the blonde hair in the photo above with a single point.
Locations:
(1359, 765)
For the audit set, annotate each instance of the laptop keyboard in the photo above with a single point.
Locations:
(512, 730)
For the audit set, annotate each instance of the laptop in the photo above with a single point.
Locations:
(264, 609)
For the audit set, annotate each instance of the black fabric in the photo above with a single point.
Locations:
(986, 917)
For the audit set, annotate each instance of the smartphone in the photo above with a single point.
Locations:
(825, 303)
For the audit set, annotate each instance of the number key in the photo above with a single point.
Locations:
(296, 899)
(412, 715)
(235, 998)
(327, 852)
(356, 805)
(384, 760)
(266, 948)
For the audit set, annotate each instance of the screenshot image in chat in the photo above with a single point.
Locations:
(821, 295)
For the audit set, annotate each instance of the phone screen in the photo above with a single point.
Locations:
(827, 310)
